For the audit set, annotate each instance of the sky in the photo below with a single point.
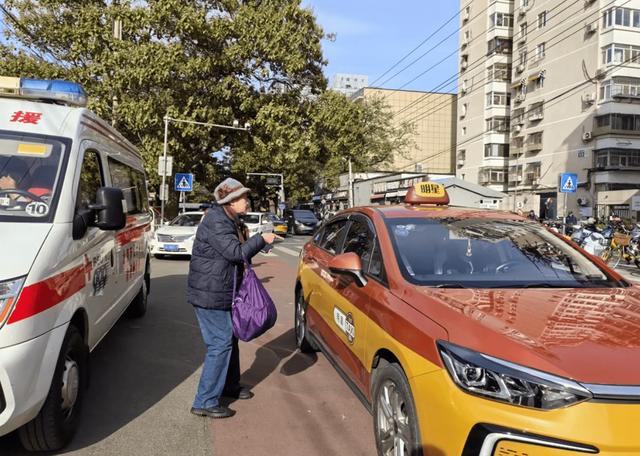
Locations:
(372, 36)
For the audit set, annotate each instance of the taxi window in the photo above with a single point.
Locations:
(360, 240)
(488, 253)
(334, 236)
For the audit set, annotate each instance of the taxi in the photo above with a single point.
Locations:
(473, 332)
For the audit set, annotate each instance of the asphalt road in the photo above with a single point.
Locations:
(145, 372)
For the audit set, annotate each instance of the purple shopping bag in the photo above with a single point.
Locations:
(253, 311)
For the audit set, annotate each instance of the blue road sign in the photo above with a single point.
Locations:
(184, 182)
(568, 183)
(281, 206)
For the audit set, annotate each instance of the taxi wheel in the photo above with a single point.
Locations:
(300, 321)
(58, 419)
(394, 414)
(138, 306)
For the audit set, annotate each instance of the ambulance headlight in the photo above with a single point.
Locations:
(9, 291)
(500, 380)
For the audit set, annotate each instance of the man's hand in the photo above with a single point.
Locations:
(270, 237)
(7, 183)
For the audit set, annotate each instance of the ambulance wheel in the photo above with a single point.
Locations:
(57, 421)
(138, 306)
(395, 420)
(300, 323)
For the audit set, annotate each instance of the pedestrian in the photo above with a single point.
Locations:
(220, 246)
(571, 219)
(532, 215)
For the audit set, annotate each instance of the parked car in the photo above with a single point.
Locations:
(301, 221)
(176, 238)
(258, 222)
(280, 225)
(472, 332)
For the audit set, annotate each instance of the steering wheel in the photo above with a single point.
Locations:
(507, 265)
(16, 191)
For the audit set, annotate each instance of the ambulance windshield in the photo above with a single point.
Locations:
(29, 175)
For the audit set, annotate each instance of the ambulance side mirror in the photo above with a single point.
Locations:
(109, 209)
(348, 264)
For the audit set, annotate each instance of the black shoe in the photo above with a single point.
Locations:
(241, 392)
(213, 412)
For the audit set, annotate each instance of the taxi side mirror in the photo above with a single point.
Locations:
(348, 264)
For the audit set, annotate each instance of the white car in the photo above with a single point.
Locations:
(177, 237)
(258, 222)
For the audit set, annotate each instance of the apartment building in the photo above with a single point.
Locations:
(574, 103)
(349, 84)
(434, 117)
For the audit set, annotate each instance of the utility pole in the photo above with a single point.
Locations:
(350, 184)
(167, 119)
(117, 35)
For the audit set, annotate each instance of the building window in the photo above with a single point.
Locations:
(621, 53)
(620, 122)
(536, 111)
(517, 117)
(542, 19)
(463, 111)
(540, 51)
(464, 62)
(523, 31)
(464, 131)
(617, 158)
(498, 125)
(501, 20)
(496, 150)
(499, 72)
(493, 176)
(620, 88)
(499, 45)
(535, 139)
(523, 57)
(524, 3)
(498, 99)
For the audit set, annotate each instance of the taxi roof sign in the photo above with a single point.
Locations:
(427, 193)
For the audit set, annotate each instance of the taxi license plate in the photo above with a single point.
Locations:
(171, 247)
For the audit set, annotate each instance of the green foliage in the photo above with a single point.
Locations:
(210, 61)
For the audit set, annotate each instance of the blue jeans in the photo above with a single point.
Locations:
(221, 365)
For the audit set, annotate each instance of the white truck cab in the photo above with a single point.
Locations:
(74, 251)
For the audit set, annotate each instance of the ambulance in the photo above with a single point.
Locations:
(74, 256)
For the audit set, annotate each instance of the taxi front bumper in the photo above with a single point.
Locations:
(453, 422)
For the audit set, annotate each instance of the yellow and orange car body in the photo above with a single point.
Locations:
(402, 322)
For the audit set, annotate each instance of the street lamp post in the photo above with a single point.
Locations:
(281, 176)
(167, 119)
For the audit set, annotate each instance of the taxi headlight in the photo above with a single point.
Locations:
(493, 378)
(9, 291)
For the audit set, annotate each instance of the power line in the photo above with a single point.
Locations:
(416, 48)
(551, 102)
(550, 43)
(472, 66)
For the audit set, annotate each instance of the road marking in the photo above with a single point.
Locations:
(288, 251)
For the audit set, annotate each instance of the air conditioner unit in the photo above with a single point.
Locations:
(587, 136)
(536, 182)
(588, 2)
(517, 129)
(520, 68)
(600, 73)
(523, 11)
(591, 28)
(461, 162)
(519, 98)
(522, 39)
(589, 98)
(536, 116)
(463, 65)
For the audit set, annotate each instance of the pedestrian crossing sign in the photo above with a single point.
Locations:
(568, 183)
(184, 182)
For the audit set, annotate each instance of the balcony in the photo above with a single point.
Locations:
(516, 151)
(533, 147)
(532, 178)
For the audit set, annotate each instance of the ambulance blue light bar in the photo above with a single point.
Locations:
(57, 91)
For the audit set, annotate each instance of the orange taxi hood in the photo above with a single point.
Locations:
(590, 335)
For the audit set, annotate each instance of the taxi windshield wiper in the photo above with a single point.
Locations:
(447, 285)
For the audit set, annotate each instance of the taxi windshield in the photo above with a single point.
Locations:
(30, 172)
(489, 253)
(187, 220)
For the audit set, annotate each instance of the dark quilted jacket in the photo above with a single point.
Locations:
(216, 252)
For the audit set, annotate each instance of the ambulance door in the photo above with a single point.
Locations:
(132, 241)
(96, 247)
